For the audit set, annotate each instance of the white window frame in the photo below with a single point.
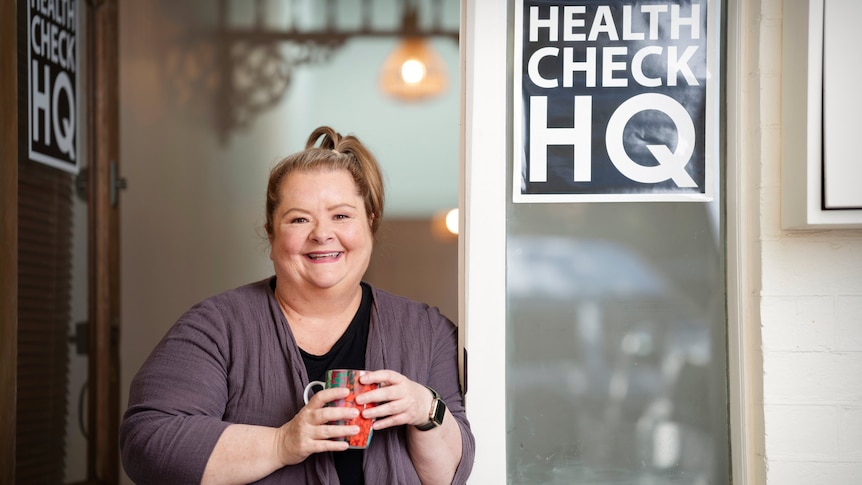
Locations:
(742, 207)
(482, 246)
(482, 242)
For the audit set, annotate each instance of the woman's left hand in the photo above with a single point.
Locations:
(399, 400)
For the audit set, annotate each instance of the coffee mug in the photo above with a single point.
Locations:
(348, 378)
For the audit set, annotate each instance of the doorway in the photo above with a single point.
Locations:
(60, 259)
(197, 196)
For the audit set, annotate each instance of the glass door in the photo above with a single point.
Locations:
(64, 324)
(616, 361)
(53, 253)
(596, 331)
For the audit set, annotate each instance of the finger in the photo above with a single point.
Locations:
(331, 414)
(389, 422)
(374, 396)
(320, 398)
(405, 391)
(323, 445)
(384, 377)
(334, 445)
(302, 438)
(380, 410)
(330, 431)
(390, 392)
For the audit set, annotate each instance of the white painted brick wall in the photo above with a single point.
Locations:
(811, 315)
(849, 331)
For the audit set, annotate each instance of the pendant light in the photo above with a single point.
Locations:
(413, 71)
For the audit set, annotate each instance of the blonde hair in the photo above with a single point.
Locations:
(335, 152)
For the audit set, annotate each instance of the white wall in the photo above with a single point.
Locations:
(810, 308)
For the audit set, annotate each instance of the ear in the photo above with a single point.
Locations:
(269, 238)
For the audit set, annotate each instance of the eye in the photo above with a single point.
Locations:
(341, 217)
(298, 220)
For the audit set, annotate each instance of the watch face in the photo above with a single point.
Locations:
(439, 411)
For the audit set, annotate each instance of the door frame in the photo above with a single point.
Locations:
(9, 237)
(484, 50)
(102, 95)
(104, 239)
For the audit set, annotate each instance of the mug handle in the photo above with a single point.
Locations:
(310, 386)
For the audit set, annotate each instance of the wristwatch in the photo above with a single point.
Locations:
(435, 415)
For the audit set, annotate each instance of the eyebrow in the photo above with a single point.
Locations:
(330, 208)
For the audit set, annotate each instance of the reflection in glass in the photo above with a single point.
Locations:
(76, 398)
(616, 334)
(76, 444)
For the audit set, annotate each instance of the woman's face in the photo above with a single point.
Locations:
(321, 236)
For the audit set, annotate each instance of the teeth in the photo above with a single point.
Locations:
(323, 255)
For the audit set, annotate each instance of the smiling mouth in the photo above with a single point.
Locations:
(320, 256)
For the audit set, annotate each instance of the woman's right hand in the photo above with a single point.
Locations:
(310, 432)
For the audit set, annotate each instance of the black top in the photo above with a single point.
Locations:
(347, 353)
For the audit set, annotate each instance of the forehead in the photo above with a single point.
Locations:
(330, 184)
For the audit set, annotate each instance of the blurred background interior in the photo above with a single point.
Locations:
(212, 95)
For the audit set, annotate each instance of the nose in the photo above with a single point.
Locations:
(322, 232)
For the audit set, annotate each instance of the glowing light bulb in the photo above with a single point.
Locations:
(412, 71)
(452, 221)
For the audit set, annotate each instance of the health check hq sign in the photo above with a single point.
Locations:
(614, 100)
(51, 82)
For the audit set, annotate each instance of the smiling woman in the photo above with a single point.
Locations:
(196, 205)
(248, 354)
(322, 234)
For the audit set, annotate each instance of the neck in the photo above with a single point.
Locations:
(317, 322)
(318, 306)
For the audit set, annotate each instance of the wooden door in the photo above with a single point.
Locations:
(8, 239)
(105, 183)
(21, 211)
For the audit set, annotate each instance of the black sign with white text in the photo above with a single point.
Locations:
(612, 101)
(51, 89)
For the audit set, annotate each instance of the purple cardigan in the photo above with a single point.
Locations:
(232, 359)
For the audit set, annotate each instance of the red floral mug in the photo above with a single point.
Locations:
(348, 378)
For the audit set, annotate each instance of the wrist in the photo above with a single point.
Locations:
(436, 412)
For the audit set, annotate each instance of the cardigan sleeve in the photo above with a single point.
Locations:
(176, 402)
(444, 379)
(229, 359)
(418, 341)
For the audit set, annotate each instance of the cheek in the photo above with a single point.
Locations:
(365, 241)
(358, 236)
(284, 243)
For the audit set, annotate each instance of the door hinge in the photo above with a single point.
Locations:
(82, 184)
(117, 183)
(81, 338)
